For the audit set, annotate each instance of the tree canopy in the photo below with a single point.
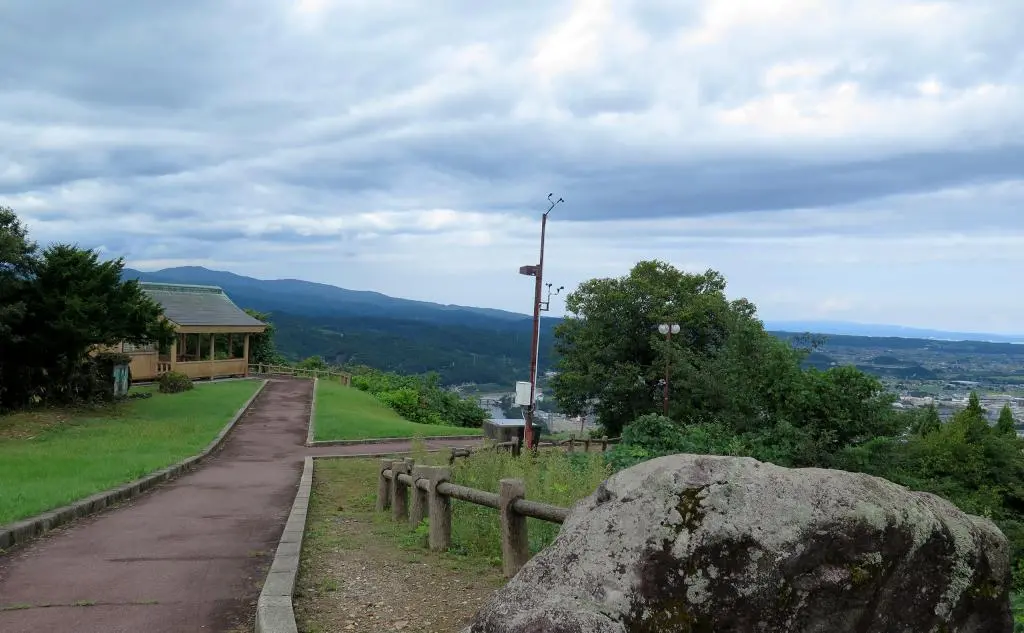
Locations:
(723, 367)
(56, 306)
(736, 390)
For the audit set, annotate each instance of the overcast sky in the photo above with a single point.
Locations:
(835, 159)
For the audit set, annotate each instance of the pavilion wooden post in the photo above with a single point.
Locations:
(383, 487)
(440, 511)
(213, 354)
(174, 351)
(245, 353)
(515, 543)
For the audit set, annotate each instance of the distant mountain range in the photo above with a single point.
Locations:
(848, 328)
(462, 343)
(315, 299)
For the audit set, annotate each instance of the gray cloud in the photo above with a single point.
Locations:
(167, 131)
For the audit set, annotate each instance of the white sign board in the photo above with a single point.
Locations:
(522, 394)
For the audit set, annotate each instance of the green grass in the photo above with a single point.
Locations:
(52, 457)
(345, 413)
(552, 476)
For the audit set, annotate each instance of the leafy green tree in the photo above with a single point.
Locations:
(58, 307)
(17, 266)
(724, 370)
(1006, 425)
(261, 346)
(314, 362)
(611, 353)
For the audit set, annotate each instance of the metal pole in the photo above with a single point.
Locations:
(668, 340)
(535, 348)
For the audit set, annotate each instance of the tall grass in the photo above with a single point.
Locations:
(552, 476)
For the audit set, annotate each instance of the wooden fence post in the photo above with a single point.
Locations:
(440, 510)
(399, 492)
(383, 487)
(515, 543)
(572, 443)
(418, 508)
(604, 443)
(586, 445)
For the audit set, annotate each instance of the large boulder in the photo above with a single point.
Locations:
(701, 544)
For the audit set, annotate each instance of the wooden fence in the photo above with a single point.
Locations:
(300, 372)
(515, 447)
(431, 496)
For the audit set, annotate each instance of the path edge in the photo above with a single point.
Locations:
(310, 433)
(20, 532)
(274, 610)
(381, 440)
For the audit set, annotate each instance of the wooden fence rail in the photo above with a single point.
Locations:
(413, 493)
(299, 372)
(514, 446)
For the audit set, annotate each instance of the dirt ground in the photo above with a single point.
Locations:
(361, 572)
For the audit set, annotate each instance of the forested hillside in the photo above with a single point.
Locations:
(466, 344)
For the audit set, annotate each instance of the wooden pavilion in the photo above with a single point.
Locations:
(212, 334)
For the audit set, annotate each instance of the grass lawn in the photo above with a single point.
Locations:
(52, 457)
(346, 413)
(362, 573)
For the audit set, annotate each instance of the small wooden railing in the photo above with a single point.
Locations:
(514, 446)
(432, 495)
(300, 372)
(162, 367)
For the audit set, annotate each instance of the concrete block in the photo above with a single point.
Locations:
(288, 549)
(279, 584)
(285, 564)
(275, 615)
(291, 536)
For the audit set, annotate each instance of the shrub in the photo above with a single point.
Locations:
(419, 399)
(174, 382)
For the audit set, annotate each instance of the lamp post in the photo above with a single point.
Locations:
(538, 273)
(668, 329)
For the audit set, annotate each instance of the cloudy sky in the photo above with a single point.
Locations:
(835, 159)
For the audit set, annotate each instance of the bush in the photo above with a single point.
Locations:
(174, 382)
(419, 399)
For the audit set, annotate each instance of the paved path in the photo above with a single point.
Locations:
(189, 556)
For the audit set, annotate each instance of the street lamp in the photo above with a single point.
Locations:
(538, 273)
(668, 329)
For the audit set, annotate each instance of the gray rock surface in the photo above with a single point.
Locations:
(702, 544)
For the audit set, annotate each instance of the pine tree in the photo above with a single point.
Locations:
(929, 421)
(1006, 424)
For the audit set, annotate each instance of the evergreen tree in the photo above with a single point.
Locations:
(1006, 424)
(928, 421)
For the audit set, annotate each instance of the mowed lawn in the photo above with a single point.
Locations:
(346, 413)
(49, 458)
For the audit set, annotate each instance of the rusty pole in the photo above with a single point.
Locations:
(535, 345)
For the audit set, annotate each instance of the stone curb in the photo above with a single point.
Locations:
(312, 416)
(381, 440)
(274, 612)
(18, 533)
